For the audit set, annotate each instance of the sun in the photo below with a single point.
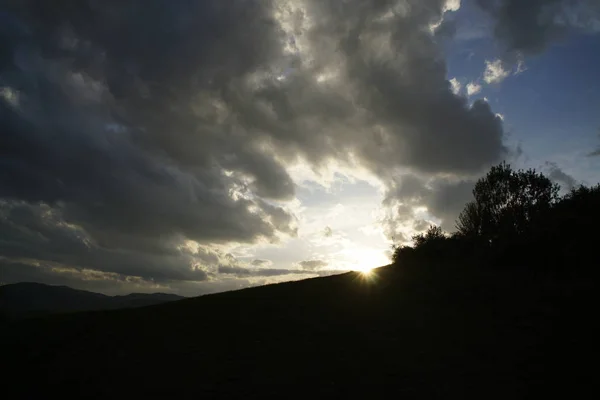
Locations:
(365, 271)
(363, 260)
(368, 275)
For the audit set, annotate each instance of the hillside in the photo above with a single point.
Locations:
(29, 299)
(419, 332)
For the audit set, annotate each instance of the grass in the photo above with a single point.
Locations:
(426, 332)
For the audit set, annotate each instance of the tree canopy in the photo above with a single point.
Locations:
(506, 202)
(516, 217)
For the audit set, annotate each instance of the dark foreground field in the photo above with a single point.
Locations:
(431, 332)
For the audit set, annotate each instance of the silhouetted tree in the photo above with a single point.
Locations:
(506, 202)
(402, 254)
(428, 243)
(516, 220)
(433, 234)
(568, 236)
(470, 220)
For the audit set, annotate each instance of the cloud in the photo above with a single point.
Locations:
(39, 233)
(27, 271)
(9, 96)
(437, 198)
(452, 5)
(528, 27)
(495, 72)
(138, 138)
(559, 176)
(473, 88)
(594, 153)
(274, 272)
(261, 263)
(456, 86)
(109, 283)
(444, 26)
(224, 269)
(520, 68)
(313, 264)
(421, 225)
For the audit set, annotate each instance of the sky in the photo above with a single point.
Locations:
(193, 147)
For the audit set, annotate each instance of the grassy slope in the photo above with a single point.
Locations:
(423, 333)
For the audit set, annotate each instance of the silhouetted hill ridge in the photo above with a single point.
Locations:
(427, 331)
(30, 298)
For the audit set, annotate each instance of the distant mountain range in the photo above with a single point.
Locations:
(31, 299)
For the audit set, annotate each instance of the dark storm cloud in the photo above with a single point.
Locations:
(145, 124)
(383, 98)
(444, 198)
(449, 199)
(39, 233)
(99, 124)
(530, 26)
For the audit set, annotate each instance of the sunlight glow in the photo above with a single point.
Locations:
(364, 259)
(370, 276)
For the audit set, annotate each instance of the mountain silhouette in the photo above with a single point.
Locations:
(29, 299)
